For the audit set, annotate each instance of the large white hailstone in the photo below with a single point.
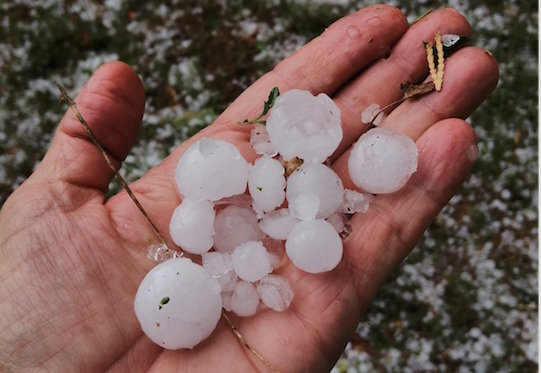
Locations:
(211, 169)
(355, 202)
(178, 304)
(278, 224)
(382, 161)
(304, 206)
(235, 225)
(260, 140)
(305, 126)
(266, 183)
(192, 226)
(320, 180)
(251, 261)
(244, 300)
(314, 246)
(275, 292)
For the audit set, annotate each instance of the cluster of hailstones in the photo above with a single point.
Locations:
(179, 302)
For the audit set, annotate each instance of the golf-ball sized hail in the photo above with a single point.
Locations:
(382, 161)
(242, 238)
(305, 126)
(178, 304)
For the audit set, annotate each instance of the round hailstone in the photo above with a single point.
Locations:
(244, 300)
(266, 183)
(275, 292)
(251, 261)
(260, 140)
(382, 161)
(305, 126)
(278, 224)
(192, 226)
(320, 180)
(178, 304)
(211, 169)
(234, 226)
(314, 246)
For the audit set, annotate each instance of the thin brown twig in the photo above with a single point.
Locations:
(246, 345)
(64, 96)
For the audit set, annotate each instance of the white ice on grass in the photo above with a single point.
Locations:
(275, 292)
(278, 224)
(251, 261)
(245, 299)
(260, 140)
(266, 183)
(211, 169)
(355, 202)
(320, 180)
(314, 246)
(368, 114)
(192, 226)
(305, 126)
(382, 161)
(178, 304)
(234, 226)
(304, 206)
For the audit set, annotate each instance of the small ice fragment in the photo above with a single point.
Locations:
(160, 253)
(448, 40)
(341, 223)
(211, 169)
(305, 126)
(369, 113)
(314, 246)
(217, 263)
(266, 183)
(355, 202)
(235, 225)
(228, 281)
(251, 261)
(260, 140)
(275, 292)
(245, 300)
(278, 224)
(382, 161)
(304, 206)
(192, 225)
(226, 300)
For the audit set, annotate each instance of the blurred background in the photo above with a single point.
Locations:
(465, 300)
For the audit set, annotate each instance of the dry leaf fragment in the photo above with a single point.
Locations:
(441, 64)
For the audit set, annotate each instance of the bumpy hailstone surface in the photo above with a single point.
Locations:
(275, 292)
(178, 304)
(244, 300)
(234, 226)
(260, 141)
(192, 226)
(382, 161)
(211, 169)
(305, 126)
(266, 183)
(314, 246)
(278, 224)
(320, 180)
(251, 261)
(304, 206)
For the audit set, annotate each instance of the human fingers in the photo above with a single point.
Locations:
(112, 104)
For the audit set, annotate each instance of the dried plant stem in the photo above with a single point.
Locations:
(64, 96)
(441, 64)
(246, 345)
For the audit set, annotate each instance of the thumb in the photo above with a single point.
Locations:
(112, 104)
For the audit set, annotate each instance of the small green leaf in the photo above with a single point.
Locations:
(273, 95)
(164, 300)
(259, 188)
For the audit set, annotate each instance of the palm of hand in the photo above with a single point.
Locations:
(70, 264)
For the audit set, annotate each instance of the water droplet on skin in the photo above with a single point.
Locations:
(354, 32)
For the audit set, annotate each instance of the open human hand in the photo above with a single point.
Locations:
(70, 263)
